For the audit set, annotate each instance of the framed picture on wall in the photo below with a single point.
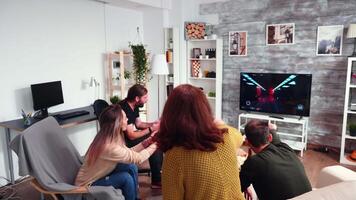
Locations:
(280, 34)
(329, 40)
(238, 43)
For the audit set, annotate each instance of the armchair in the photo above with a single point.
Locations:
(46, 154)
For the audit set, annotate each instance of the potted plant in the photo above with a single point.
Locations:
(352, 129)
(115, 99)
(140, 63)
(127, 76)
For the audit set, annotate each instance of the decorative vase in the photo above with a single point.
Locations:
(195, 68)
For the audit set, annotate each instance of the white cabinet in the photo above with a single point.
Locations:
(349, 113)
(296, 140)
(204, 69)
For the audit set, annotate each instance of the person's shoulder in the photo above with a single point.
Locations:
(123, 103)
(175, 153)
(253, 162)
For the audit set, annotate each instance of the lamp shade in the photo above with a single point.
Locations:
(159, 65)
(351, 32)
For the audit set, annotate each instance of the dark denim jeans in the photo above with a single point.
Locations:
(155, 159)
(124, 177)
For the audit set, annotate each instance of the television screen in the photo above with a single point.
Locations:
(45, 95)
(275, 93)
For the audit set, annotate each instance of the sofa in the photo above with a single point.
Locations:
(334, 183)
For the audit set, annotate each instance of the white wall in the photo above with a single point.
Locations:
(121, 27)
(154, 39)
(57, 40)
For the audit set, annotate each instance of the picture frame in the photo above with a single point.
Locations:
(238, 43)
(329, 40)
(196, 52)
(280, 34)
(194, 30)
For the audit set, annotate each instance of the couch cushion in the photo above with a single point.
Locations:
(344, 190)
(334, 174)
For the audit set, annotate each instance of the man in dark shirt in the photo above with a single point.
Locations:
(275, 171)
(137, 130)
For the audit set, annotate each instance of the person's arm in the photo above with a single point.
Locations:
(132, 134)
(143, 125)
(123, 154)
(273, 131)
(247, 173)
(144, 144)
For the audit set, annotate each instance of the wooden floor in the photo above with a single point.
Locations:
(313, 162)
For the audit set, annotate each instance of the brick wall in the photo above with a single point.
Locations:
(329, 73)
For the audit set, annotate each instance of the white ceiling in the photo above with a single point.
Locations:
(136, 4)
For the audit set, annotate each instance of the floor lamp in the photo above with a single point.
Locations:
(159, 67)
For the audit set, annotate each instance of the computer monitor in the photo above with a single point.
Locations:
(45, 95)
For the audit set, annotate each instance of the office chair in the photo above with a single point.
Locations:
(99, 105)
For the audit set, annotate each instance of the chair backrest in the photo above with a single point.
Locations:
(99, 105)
(46, 153)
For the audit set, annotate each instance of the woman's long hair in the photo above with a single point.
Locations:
(187, 121)
(110, 127)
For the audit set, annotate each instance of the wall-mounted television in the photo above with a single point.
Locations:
(279, 93)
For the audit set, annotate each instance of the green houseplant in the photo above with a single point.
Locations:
(352, 129)
(115, 99)
(127, 74)
(140, 63)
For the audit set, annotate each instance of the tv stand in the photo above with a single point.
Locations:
(276, 117)
(292, 131)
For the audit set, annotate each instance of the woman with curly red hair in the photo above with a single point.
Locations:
(200, 155)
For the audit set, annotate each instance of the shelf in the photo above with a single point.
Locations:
(242, 127)
(290, 135)
(346, 161)
(203, 78)
(294, 144)
(350, 137)
(203, 59)
(201, 40)
(169, 82)
(208, 64)
(210, 98)
(348, 114)
(351, 112)
(265, 117)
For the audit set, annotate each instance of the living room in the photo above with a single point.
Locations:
(66, 40)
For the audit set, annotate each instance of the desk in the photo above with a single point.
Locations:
(18, 125)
